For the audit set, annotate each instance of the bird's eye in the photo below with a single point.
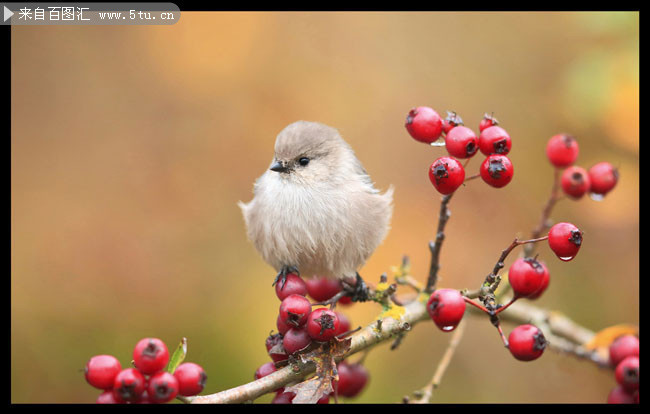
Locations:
(303, 161)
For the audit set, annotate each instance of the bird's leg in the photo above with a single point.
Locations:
(358, 292)
(282, 275)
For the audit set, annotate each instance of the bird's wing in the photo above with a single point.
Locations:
(358, 168)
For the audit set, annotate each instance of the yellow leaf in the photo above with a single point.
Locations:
(604, 338)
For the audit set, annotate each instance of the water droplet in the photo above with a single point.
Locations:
(596, 197)
(566, 259)
(448, 328)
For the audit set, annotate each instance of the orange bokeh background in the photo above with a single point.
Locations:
(131, 146)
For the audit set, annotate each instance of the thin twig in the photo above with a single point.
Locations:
(546, 213)
(427, 390)
(435, 246)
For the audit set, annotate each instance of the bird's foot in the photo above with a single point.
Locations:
(358, 292)
(283, 273)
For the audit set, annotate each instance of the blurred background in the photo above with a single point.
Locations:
(131, 146)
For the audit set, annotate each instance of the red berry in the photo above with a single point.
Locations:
(542, 287)
(451, 122)
(575, 182)
(565, 240)
(562, 150)
(191, 378)
(623, 347)
(494, 140)
(486, 122)
(627, 373)
(446, 307)
(526, 342)
(461, 142)
(497, 170)
(293, 285)
(101, 371)
(295, 340)
(619, 396)
(265, 370)
(106, 397)
(150, 355)
(344, 324)
(526, 277)
(275, 349)
(163, 387)
(282, 326)
(322, 324)
(352, 379)
(345, 300)
(323, 288)
(446, 174)
(603, 178)
(283, 398)
(424, 124)
(294, 310)
(128, 385)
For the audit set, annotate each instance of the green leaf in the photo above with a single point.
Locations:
(178, 356)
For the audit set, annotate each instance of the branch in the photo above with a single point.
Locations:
(372, 335)
(564, 334)
(544, 223)
(435, 246)
(559, 326)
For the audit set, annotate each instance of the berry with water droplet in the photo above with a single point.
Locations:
(565, 240)
(446, 308)
(603, 178)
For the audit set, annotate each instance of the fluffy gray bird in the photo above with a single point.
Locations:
(316, 210)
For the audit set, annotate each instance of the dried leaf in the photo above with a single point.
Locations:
(604, 338)
(313, 389)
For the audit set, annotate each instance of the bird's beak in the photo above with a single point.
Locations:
(279, 167)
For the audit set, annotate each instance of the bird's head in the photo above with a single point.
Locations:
(307, 152)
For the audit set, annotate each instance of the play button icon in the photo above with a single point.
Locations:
(7, 13)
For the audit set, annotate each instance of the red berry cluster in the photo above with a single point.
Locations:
(624, 355)
(299, 327)
(447, 173)
(562, 151)
(147, 383)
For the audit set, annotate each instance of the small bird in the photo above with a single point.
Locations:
(316, 212)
